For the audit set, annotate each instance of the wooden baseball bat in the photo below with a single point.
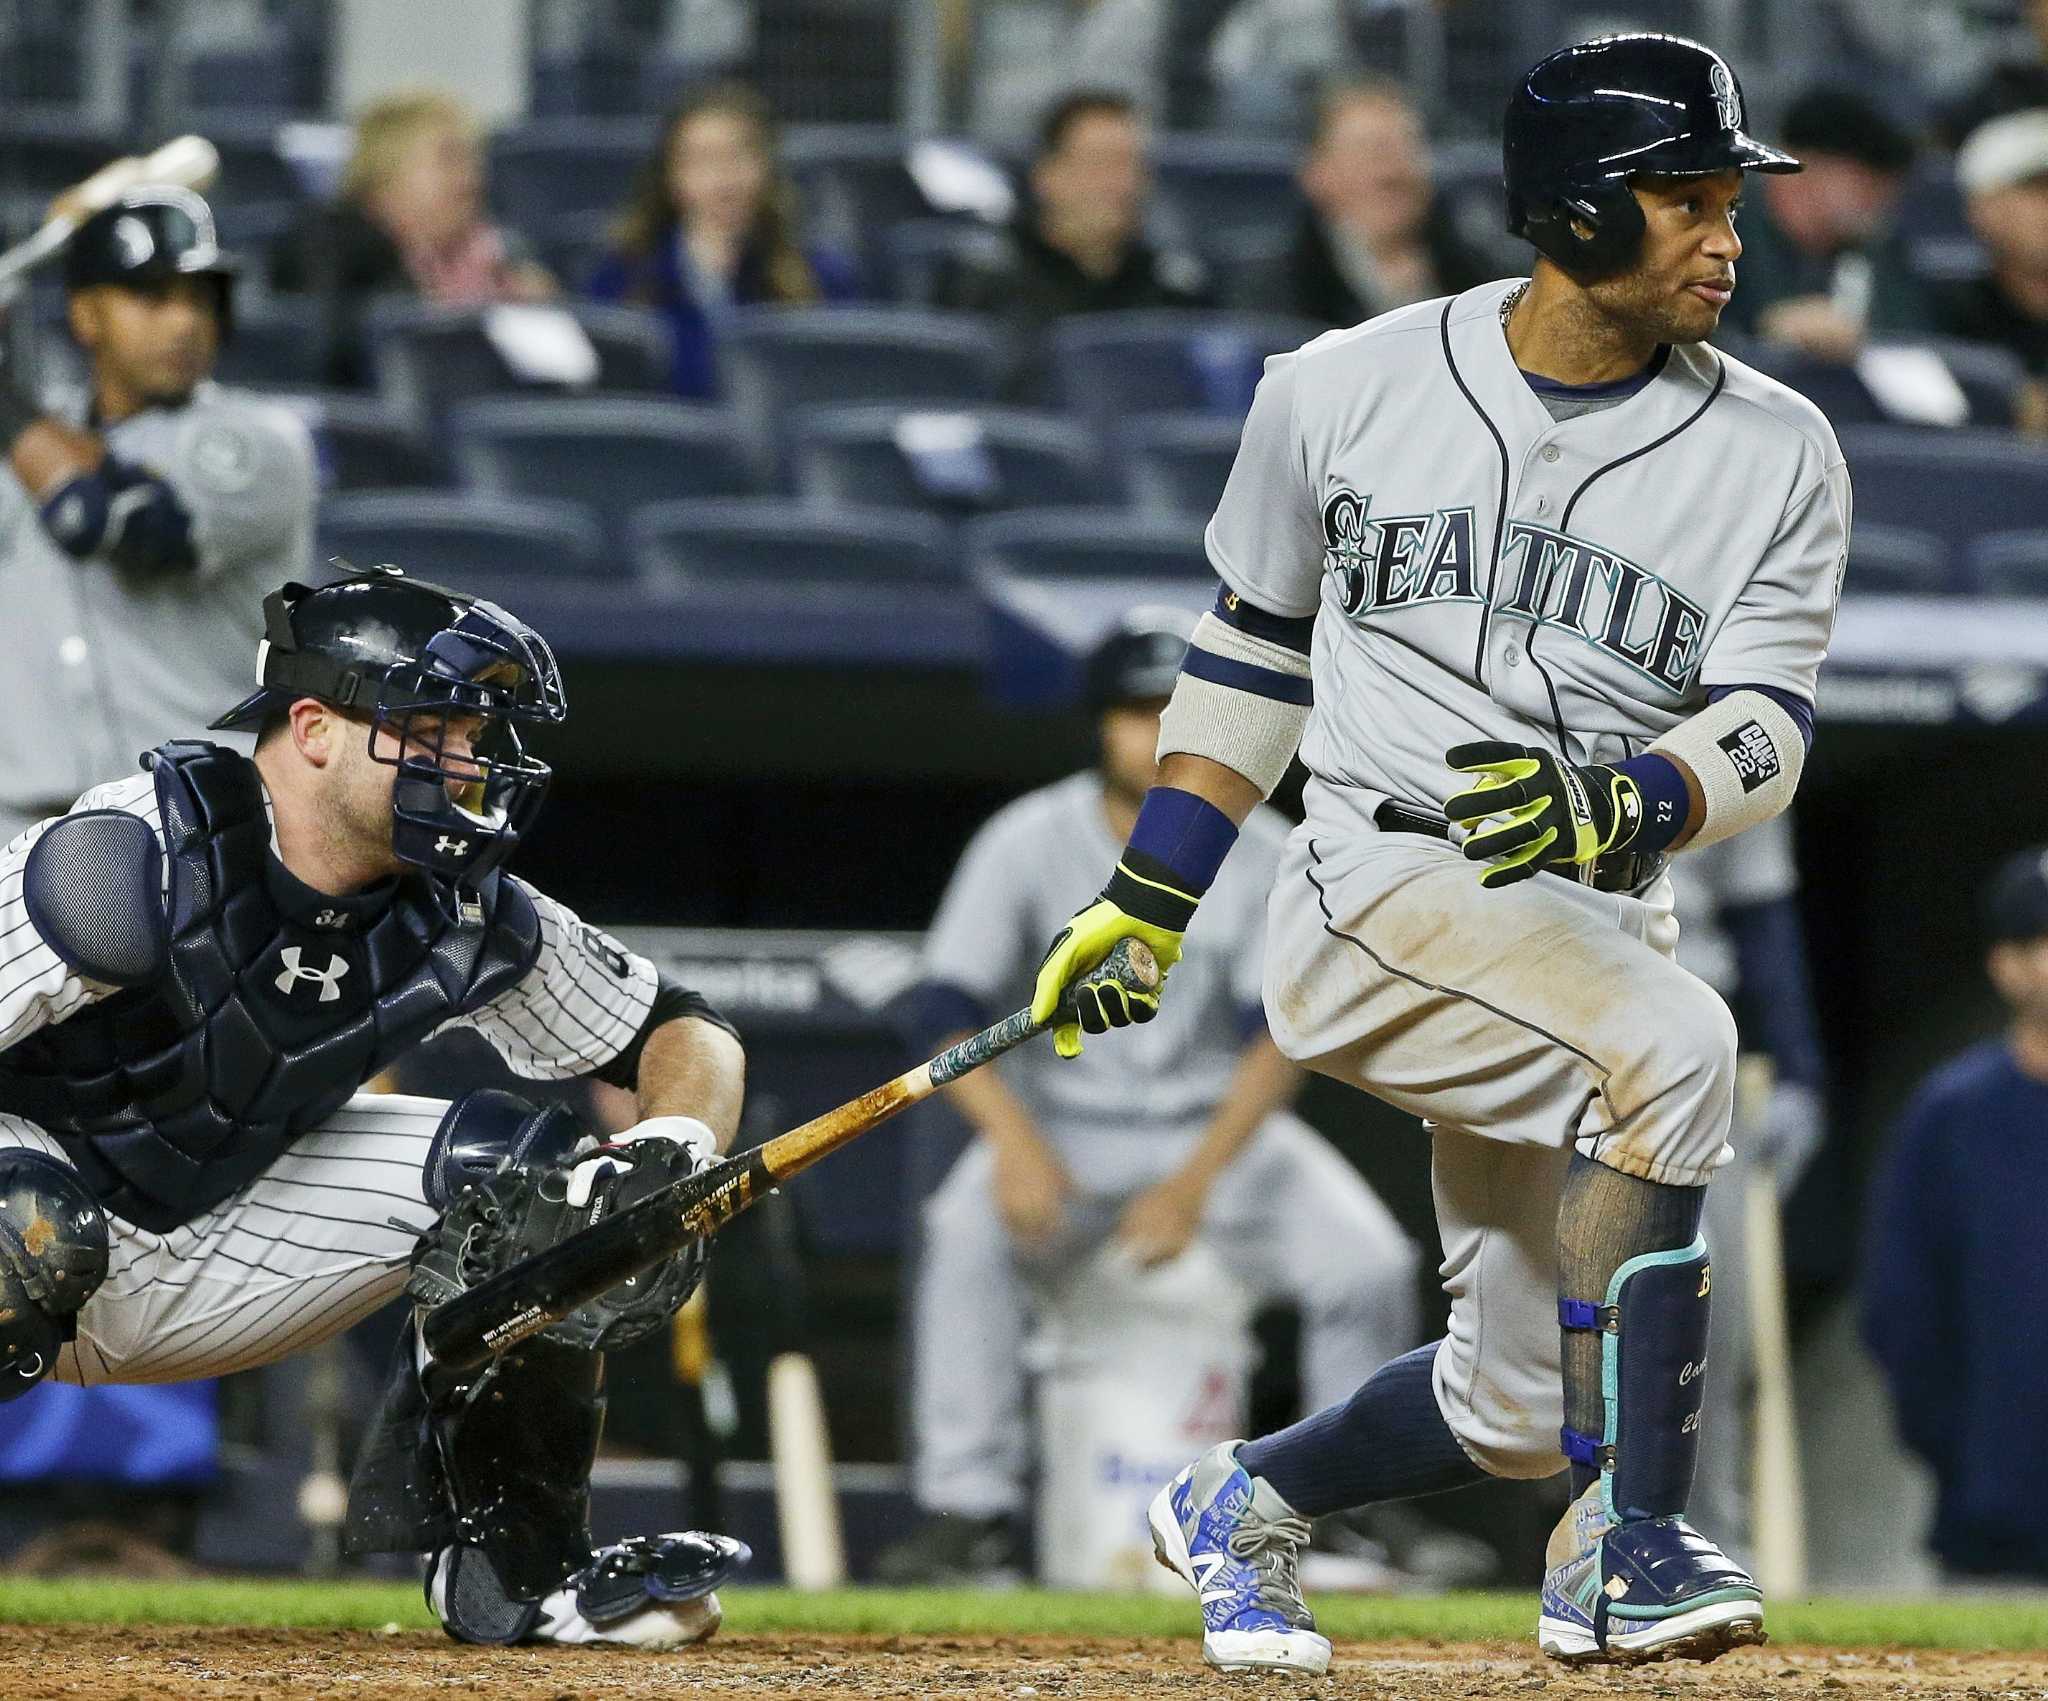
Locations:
(545, 1288)
(1778, 1511)
(190, 162)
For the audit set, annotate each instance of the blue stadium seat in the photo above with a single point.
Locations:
(49, 153)
(251, 167)
(362, 445)
(1219, 188)
(778, 550)
(2010, 564)
(484, 544)
(1110, 366)
(919, 255)
(612, 453)
(565, 165)
(853, 182)
(236, 80)
(1177, 463)
(280, 343)
(1958, 485)
(947, 463)
(1898, 561)
(774, 360)
(1088, 543)
(429, 359)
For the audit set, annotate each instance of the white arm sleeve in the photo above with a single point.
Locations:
(1266, 539)
(581, 1004)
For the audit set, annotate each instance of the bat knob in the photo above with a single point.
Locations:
(1132, 965)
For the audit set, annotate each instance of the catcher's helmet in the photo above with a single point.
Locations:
(1139, 661)
(411, 656)
(1589, 117)
(152, 233)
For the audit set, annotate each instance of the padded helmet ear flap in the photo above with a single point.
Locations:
(1591, 231)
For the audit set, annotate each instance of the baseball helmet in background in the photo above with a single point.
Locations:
(1584, 121)
(1139, 660)
(151, 234)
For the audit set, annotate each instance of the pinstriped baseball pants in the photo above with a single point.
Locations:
(313, 1245)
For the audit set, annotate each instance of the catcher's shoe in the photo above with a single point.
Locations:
(1233, 1540)
(1648, 1589)
(649, 1592)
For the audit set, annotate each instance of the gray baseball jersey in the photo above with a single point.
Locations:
(1484, 571)
(1024, 873)
(104, 664)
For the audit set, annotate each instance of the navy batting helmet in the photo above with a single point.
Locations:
(408, 656)
(151, 234)
(1588, 118)
(1139, 661)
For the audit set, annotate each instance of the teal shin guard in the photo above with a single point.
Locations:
(1652, 1328)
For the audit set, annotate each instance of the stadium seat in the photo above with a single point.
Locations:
(236, 80)
(947, 463)
(1177, 463)
(1898, 561)
(853, 182)
(1109, 366)
(1088, 543)
(1218, 188)
(611, 453)
(46, 154)
(565, 165)
(429, 359)
(279, 343)
(768, 548)
(251, 167)
(362, 446)
(2009, 564)
(919, 255)
(1958, 485)
(484, 544)
(775, 360)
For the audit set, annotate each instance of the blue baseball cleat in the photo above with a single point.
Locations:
(1649, 1589)
(1235, 1542)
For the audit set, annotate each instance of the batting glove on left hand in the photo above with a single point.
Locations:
(685, 1131)
(1550, 812)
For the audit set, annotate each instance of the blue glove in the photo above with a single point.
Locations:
(124, 515)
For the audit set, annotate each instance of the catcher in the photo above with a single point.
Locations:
(202, 964)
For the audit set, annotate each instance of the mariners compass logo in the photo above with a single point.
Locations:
(1727, 98)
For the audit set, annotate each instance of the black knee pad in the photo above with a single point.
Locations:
(54, 1247)
(1653, 1365)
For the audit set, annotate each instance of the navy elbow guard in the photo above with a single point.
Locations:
(123, 515)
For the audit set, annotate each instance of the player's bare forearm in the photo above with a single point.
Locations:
(1263, 1082)
(691, 1067)
(51, 452)
(1211, 781)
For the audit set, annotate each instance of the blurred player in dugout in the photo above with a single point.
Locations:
(140, 528)
(1184, 1131)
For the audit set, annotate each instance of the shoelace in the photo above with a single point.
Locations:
(1272, 1546)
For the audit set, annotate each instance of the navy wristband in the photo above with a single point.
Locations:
(1666, 802)
(1185, 835)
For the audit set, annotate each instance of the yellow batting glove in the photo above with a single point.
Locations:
(1529, 811)
(1090, 937)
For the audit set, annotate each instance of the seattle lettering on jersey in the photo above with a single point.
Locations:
(1550, 579)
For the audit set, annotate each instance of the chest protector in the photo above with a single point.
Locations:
(272, 1005)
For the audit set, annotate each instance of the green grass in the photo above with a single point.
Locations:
(2015, 1625)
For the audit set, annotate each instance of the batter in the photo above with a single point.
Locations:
(1540, 585)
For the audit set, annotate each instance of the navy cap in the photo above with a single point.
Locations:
(1139, 660)
(2016, 899)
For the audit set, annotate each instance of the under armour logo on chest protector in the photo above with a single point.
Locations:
(328, 979)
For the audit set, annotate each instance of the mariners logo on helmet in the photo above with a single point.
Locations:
(1727, 97)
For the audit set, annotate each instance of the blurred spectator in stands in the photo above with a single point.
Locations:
(410, 221)
(1823, 263)
(1373, 235)
(1025, 57)
(2003, 169)
(712, 226)
(2017, 80)
(1268, 55)
(1078, 244)
(1955, 1288)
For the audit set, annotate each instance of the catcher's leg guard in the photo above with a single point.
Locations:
(53, 1257)
(1629, 1579)
(647, 1592)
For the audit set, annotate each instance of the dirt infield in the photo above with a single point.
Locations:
(93, 1664)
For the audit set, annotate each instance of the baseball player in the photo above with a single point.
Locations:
(1744, 938)
(1186, 1132)
(201, 965)
(1540, 583)
(138, 535)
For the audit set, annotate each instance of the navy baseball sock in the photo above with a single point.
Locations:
(1387, 1442)
(1605, 1218)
